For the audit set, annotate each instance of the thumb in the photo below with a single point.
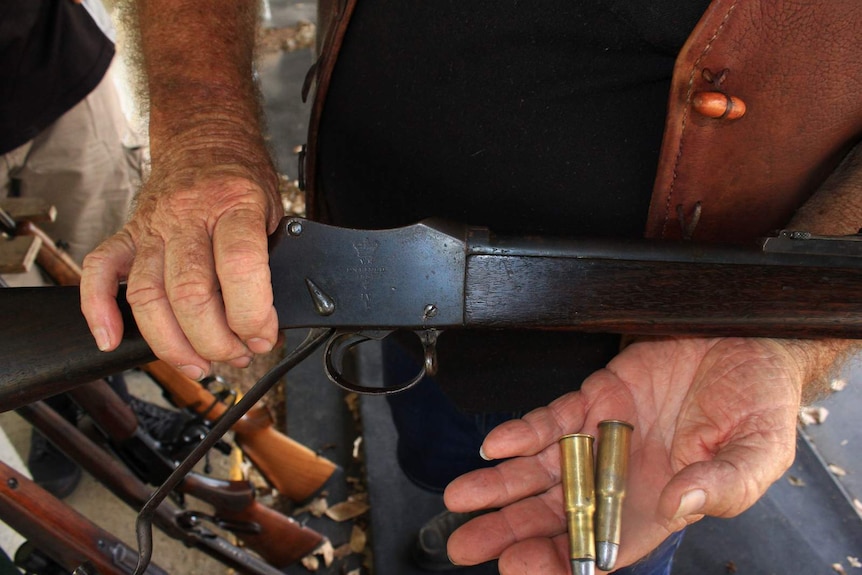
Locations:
(722, 487)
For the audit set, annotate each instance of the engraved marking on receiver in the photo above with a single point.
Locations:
(366, 272)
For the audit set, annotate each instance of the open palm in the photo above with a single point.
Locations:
(714, 426)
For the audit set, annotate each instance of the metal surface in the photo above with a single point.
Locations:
(579, 497)
(411, 276)
(414, 277)
(612, 465)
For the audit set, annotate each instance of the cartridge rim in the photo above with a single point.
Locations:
(616, 422)
(586, 435)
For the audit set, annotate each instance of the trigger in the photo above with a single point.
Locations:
(428, 338)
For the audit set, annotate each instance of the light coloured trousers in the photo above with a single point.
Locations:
(87, 164)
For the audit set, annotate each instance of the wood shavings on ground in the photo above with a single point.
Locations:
(854, 562)
(292, 198)
(352, 401)
(795, 481)
(316, 507)
(353, 507)
(287, 39)
(838, 384)
(813, 415)
(324, 553)
(838, 568)
(358, 539)
(343, 551)
(836, 470)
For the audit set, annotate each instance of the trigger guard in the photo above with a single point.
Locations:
(344, 341)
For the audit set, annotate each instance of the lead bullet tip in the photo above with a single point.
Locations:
(606, 555)
(583, 567)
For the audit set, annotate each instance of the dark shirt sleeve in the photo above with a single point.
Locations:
(52, 54)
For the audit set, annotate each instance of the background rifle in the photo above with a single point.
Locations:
(279, 539)
(293, 469)
(66, 536)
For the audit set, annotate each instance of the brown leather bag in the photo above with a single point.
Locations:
(797, 67)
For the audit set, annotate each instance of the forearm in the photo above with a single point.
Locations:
(196, 64)
(836, 208)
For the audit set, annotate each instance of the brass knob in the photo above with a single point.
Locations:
(718, 105)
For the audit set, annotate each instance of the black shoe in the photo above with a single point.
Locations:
(429, 549)
(164, 425)
(50, 467)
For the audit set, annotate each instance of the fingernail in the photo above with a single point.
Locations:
(691, 503)
(482, 454)
(100, 334)
(259, 345)
(192, 372)
(241, 362)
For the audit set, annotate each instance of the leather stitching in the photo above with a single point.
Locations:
(688, 95)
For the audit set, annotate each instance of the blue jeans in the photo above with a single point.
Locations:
(437, 443)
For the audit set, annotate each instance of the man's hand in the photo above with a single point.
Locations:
(196, 259)
(195, 250)
(715, 426)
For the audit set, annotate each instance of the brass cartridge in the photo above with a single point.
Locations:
(611, 474)
(576, 461)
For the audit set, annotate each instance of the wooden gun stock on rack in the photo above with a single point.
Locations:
(63, 534)
(278, 539)
(293, 469)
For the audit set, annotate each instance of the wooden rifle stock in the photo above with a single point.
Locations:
(57, 263)
(279, 539)
(293, 469)
(67, 355)
(59, 531)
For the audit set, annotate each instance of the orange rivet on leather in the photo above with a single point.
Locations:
(717, 105)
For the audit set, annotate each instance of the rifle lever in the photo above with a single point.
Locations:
(343, 341)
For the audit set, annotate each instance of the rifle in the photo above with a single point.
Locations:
(278, 539)
(434, 276)
(293, 469)
(66, 536)
(237, 504)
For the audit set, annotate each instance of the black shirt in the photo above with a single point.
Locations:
(523, 117)
(52, 54)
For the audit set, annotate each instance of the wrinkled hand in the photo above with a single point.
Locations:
(195, 257)
(715, 424)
